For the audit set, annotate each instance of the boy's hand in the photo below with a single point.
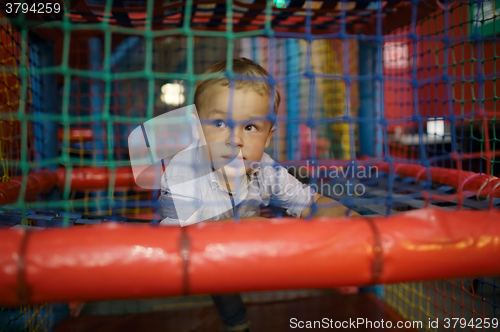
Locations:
(327, 207)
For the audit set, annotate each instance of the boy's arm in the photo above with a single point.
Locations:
(327, 207)
(294, 196)
(178, 202)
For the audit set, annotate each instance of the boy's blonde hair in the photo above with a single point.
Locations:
(242, 66)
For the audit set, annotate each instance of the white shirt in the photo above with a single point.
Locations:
(191, 191)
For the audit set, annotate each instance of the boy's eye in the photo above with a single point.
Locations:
(250, 128)
(219, 124)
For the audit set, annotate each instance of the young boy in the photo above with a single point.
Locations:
(236, 176)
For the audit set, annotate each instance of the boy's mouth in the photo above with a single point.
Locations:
(231, 157)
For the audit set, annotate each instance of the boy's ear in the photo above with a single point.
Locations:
(269, 136)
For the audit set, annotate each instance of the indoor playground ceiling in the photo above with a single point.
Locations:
(292, 16)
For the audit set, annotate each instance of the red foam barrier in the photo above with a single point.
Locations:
(95, 178)
(481, 184)
(140, 261)
(103, 262)
(280, 254)
(37, 183)
(438, 244)
(10, 246)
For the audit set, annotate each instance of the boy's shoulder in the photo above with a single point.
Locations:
(267, 161)
(270, 169)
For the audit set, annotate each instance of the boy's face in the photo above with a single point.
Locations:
(249, 134)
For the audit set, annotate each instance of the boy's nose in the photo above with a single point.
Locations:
(234, 138)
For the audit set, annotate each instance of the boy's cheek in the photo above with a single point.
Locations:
(206, 131)
(213, 135)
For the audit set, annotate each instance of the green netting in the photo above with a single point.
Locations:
(110, 81)
(107, 70)
(457, 57)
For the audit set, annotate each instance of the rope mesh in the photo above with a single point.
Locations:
(430, 87)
